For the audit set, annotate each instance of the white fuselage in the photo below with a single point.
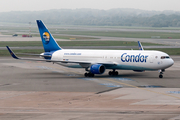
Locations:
(122, 59)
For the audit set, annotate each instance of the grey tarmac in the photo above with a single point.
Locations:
(42, 91)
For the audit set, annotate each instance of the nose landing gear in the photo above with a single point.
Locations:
(161, 76)
(161, 73)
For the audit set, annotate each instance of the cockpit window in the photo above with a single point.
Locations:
(165, 57)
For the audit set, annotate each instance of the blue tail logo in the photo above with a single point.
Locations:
(46, 37)
(49, 43)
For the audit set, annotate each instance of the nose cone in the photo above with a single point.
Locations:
(170, 62)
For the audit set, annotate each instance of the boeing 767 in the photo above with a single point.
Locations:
(97, 61)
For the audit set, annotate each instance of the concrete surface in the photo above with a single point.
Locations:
(43, 91)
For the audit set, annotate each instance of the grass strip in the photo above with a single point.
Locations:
(75, 43)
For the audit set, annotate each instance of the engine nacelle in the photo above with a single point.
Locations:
(97, 69)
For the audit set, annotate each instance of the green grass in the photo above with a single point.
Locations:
(20, 43)
(75, 43)
(72, 37)
(125, 34)
(102, 43)
(128, 34)
(77, 30)
(67, 37)
(170, 51)
(6, 52)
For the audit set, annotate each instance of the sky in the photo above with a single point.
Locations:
(37, 5)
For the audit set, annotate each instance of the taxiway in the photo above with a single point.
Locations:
(39, 91)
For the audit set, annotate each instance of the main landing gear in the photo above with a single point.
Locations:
(88, 74)
(113, 73)
(161, 73)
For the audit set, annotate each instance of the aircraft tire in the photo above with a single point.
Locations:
(116, 73)
(91, 75)
(160, 76)
(86, 74)
(110, 73)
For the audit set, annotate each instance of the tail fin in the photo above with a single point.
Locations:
(140, 46)
(49, 43)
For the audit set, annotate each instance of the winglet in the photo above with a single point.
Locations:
(140, 46)
(12, 53)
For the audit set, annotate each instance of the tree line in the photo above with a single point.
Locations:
(94, 17)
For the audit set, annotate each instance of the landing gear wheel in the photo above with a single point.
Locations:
(88, 74)
(85, 74)
(160, 76)
(113, 73)
(91, 75)
(110, 73)
(116, 73)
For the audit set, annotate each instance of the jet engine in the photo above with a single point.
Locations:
(97, 69)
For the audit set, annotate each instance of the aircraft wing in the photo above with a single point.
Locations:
(140, 46)
(34, 54)
(49, 60)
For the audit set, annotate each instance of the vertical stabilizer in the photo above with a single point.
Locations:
(49, 43)
(140, 46)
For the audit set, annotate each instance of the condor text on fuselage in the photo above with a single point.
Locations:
(133, 58)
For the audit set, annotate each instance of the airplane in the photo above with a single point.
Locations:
(97, 61)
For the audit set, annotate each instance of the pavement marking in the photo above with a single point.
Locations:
(123, 79)
(72, 75)
(44, 67)
(151, 86)
(114, 81)
(173, 92)
(111, 85)
(141, 88)
(89, 79)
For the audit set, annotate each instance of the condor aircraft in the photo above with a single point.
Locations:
(97, 61)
